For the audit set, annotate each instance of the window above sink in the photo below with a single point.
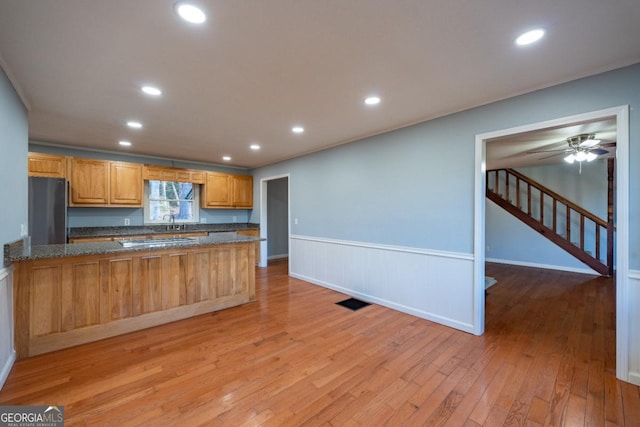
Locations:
(171, 202)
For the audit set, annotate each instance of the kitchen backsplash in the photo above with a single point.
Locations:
(114, 217)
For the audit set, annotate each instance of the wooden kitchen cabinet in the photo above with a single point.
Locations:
(222, 190)
(125, 184)
(161, 173)
(242, 191)
(217, 191)
(254, 232)
(101, 183)
(88, 182)
(63, 302)
(47, 165)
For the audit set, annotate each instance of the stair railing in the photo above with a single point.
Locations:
(555, 213)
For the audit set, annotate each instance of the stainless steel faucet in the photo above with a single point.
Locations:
(172, 220)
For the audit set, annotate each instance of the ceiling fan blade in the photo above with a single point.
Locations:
(545, 151)
(589, 143)
(598, 151)
(548, 157)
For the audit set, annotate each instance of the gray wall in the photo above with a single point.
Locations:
(415, 186)
(277, 212)
(107, 217)
(508, 239)
(13, 162)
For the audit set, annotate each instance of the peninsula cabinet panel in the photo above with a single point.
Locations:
(201, 281)
(117, 288)
(148, 291)
(47, 165)
(63, 302)
(46, 301)
(89, 182)
(85, 301)
(126, 184)
(176, 276)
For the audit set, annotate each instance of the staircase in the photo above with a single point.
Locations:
(576, 230)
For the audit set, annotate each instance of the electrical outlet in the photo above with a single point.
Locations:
(295, 221)
(203, 220)
(23, 229)
(127, 221)
(235, 218)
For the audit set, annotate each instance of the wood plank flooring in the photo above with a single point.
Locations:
(294, 358)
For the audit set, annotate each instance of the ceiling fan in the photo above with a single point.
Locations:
(582, 147)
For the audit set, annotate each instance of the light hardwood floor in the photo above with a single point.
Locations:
(295, 358)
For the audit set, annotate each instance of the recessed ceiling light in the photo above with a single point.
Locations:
(530, 37)
(297, 129)
(190, 13)
(226, 158)
(134, 125)
(151, 90)
(125, 143)
(254, 146)
(372, 100)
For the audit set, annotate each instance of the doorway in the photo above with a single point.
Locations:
(274, 218)
(621, 116)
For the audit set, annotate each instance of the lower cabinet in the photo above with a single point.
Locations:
(62, 302)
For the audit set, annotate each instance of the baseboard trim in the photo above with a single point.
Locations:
(272, 257)
(634, 378)
(6, 369)
(545, 266)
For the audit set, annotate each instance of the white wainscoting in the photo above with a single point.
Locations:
(7, 353)
(634, 327)
(433, 285)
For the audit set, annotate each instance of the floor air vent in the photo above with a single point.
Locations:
(353, 304)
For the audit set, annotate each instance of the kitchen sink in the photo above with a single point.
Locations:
(157, 242)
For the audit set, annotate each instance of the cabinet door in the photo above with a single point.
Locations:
(242, 191)
(218, 190)
(47, 165)
(126, 184)
(89, 182)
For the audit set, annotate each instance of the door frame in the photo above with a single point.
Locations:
(264, 217)
(621, 114)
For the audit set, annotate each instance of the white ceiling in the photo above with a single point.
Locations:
(256, 68)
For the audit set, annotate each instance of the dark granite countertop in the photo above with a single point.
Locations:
(133, 230)
(18, 253)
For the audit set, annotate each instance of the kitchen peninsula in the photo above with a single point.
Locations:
(71, 294)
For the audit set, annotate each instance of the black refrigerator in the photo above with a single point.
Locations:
(47, 210)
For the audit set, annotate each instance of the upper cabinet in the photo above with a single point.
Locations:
(223, 190)
(161, 173)
(242, 191)
(100, 183)
(47, 165)
(103, 183)
(125, 184)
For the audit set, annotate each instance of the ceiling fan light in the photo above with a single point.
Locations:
(581, 156)
(591, 156)
(570, 158)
